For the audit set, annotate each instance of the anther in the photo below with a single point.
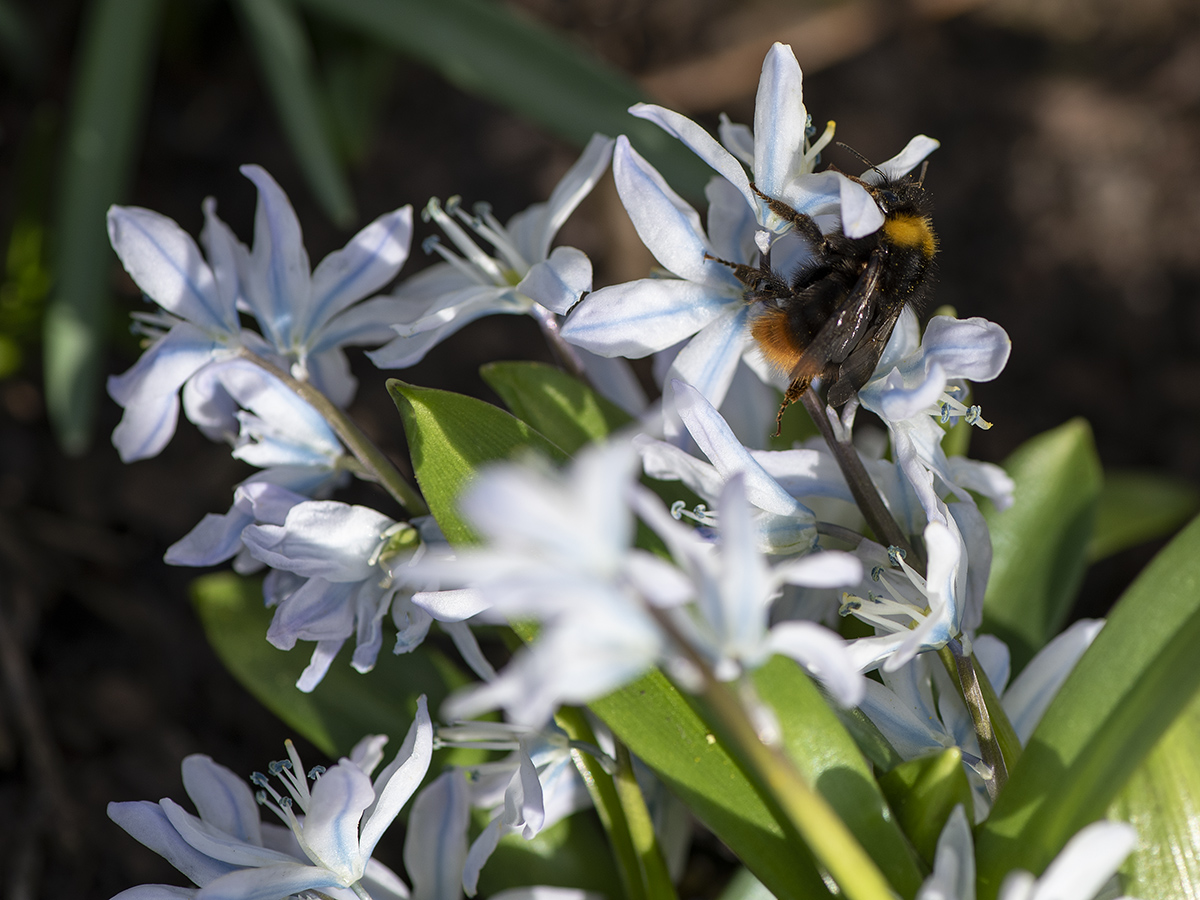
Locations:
(430, 244)
(876, 573)
(895, 554)
(677, 509)
(315, 772)
(259, 779)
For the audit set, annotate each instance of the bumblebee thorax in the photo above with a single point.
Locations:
(910, 231)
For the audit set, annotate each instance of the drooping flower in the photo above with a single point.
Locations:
(352, 564)
(231, 855)
(919, 384)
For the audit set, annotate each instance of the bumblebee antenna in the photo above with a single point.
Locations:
(924, 169)
(867, 162)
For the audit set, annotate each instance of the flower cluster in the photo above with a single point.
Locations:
(867, 568)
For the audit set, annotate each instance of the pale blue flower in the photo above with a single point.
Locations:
(919, 384)
(519, 274)
(353, 565)
(919, 710)
(331, 830)
(306, 317)
(435, 847)
(534, 787)
(1082, 868)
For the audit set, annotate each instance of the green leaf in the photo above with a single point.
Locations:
(828, 758)
(346, 705)
(924, 792)
(1122, 696)
(449, 437)
(1040, 542)
(660, 727)
(110, 86)
(568, 854)
(1136, 507)
(286, 58)
(487, 49)
(564, 409)
(1162, 801)
(744, 886)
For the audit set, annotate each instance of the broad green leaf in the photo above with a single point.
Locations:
(568, 854)
(561, 407)
(449, 437)
(1122, 696)
(827, 756)
(286, 59)
(346, 705)
(110, 86)
(1162, 801)
(744, 886)
(1136, 507)
(492, 51)
(924, 792)
(661, 728)
(1040, 542)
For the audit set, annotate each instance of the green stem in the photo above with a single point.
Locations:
(1010, 744)
(641, 829)
(962, 669)
(798, 807)
(371, 457)
(607, 801)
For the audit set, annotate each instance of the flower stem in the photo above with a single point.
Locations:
(962, 668)
(610, 806)
(371, 457)
(566, 355)
(799, 809)
(641, 829)
(862, 488)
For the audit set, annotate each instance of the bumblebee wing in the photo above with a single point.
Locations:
(844, 330)
(860, 364)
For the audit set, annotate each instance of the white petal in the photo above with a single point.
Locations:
(370, 260)
(667, 224)
(166, 264)
(277, 285)
(1088, 860)
(222, 799)
(975, 348)
(148, 824)
(215, 843)
(641, 317)
(701, 143)
(558, 283)
(322, 658)
(268, 883)
(906, 160)
(338, 800)
(1030, 694)
(321, 538)
(149, 391)
(396, 784)
(861, 215)
(780, 120)
(824, 654)
(435, 847)
(317, 611)
(576, 184)
(614, 379)
(710, 359)
(953, 875)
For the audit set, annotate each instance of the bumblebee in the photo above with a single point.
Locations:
(834, 316)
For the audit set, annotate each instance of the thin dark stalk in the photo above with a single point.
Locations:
(564, 354)
(972, 694)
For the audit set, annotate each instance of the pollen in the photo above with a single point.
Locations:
(911, 231)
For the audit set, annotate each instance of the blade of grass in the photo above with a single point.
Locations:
(111, 84)
(492, 52)
(286, 58)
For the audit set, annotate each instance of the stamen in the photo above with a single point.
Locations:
(974, 418)
(813, 154)
(896, 554)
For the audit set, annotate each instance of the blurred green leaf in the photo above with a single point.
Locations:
(346, 705)
(286, 58)
(561, 407)
(489, 50)
(1124, 693)
(1136, 507)
(744, 886)
(1162, 801)
(449, 437)
(110, 86)
(924, 792)
(1040, 542)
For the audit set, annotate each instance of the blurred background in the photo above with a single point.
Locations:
(1066, 200)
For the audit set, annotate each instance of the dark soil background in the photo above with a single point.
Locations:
(1066, 201)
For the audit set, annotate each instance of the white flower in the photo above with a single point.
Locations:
(326, 848)
(919, 710)
(523, 276)
(1080, 870)
(353, 565)
(912, 391)
(305, 318)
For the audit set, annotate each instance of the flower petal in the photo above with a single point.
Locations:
(560, 281)
(222, 799)
(780, 120)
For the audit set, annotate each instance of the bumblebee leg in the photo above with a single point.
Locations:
(747, 275)
(793, 393)
(803, 224)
